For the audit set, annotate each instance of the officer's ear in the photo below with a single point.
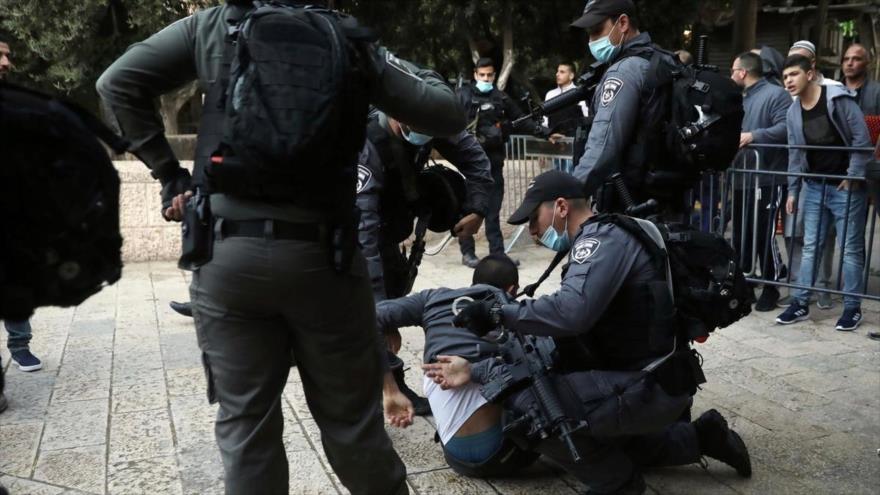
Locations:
(562, 205)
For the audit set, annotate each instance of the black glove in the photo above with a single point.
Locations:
(480, 317)
(177, 182)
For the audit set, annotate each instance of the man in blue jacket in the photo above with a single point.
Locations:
(765, 106)
(826, 116)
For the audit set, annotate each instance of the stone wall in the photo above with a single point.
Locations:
(148, 237)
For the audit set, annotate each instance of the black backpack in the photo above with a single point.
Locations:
(705, 115)
(708, 284)
(709, 288)
(59, 198)
(296, 107)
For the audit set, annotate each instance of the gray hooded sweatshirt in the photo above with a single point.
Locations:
(848, 120)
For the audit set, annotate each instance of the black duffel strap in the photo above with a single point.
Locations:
(270, 229)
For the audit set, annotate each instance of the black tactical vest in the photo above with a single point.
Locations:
(636, 328)
(485, 117)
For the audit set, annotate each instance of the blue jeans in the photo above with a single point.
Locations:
(822, 204)
(19, 334)
(476, 448)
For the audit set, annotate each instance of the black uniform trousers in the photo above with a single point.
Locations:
(257, 302)
(641, 429)
(493, 216)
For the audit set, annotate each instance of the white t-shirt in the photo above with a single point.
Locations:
(451, 408)
(553, 93)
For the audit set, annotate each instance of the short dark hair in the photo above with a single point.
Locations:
(568, 64)
(798, 61)
(484, 62)
(497, 270)
(751, 63)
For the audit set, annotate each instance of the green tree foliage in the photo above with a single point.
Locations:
(441, 33)
(64, 45)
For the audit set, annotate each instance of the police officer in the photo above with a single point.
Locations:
(592, 316)
(272, 288)
(490, 113)
(624, 135)
(389, 196)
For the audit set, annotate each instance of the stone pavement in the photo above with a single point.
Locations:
(120, 405)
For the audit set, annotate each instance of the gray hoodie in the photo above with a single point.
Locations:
(848, 120)
(765, 106)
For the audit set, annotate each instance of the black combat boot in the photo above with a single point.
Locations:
(421, 407)
(184, 308)
(718, 441)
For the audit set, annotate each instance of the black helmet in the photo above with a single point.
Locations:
(442, 192)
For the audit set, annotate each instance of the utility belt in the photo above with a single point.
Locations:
(200, 228)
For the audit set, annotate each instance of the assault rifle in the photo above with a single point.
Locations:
(529, 362)
(585, 87)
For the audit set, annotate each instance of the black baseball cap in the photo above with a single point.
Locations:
(546, 187)
(597, 11)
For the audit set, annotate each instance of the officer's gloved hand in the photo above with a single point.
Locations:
(480, 317)
(173, 184)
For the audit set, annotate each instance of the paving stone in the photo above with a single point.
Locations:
(294, 436)
(157, 475)
(72, 389)
(23, 486)
(19, 447)
(28, 395)
(770, 388)
(193, 420)
(180, 350)
(730, 349)
(105, 327)
(686, 480)
(75, 424)
(140, 435)
(537, 478)
(82, 468)
(773, 366)
(448, 482)
(139, 397)
(201, 469)
(296, 397)
(780, 348)
(307, 475)
(416, 447)
(186, 381)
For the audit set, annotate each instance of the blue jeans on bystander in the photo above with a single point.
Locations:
(822, 204)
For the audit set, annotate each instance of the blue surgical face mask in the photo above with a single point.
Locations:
(484, 86)
(414, 137)
(553, 239)
(602, 48)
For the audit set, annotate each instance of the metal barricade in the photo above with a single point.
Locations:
(760, 223)
(525, 158)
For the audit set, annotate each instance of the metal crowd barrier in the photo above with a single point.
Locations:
(744, 184)
(526, 157)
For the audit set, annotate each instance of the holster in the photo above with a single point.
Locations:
(197, 233)
(343, 240)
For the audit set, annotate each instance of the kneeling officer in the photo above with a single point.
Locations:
(612, 320)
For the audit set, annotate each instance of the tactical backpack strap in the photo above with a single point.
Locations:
(530, 289)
